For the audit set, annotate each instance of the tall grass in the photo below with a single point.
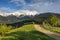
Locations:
(51, 28)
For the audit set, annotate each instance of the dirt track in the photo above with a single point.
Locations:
(47, 32)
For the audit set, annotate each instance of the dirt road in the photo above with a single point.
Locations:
(47, 32)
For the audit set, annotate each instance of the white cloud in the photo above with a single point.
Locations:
(7, 9)
(44, 7)
(19, 2)
(20, 12)
(40, 5)
(24, 12)
(33, 7)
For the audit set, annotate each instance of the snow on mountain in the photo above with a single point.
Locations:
(19, 12)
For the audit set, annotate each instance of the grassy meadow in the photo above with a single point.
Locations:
(26, 32)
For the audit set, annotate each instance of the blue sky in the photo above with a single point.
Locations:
(36, 5)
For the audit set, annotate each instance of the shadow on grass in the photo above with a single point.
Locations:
(27, 35)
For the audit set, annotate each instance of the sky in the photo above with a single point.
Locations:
(32, 5)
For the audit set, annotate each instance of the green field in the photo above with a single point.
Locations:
(26, 32)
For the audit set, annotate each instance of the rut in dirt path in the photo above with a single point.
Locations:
(47, 32)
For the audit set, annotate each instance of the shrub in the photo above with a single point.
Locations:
(4, 29)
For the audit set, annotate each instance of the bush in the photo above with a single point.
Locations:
(4, 29)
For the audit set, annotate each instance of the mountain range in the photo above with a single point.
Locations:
(16, 16)
(13, 18)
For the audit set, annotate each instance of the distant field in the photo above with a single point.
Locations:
(26, 32)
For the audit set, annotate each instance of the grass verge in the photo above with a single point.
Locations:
(51, 28)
